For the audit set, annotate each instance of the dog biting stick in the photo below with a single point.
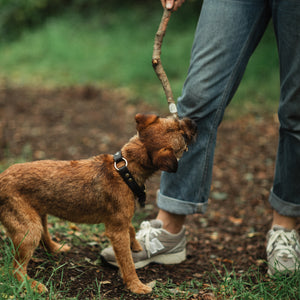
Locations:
(90, 191)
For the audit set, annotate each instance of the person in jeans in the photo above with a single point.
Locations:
(226, 36)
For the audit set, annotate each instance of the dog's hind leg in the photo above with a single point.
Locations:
(47, 242)
(134, 244)
(120, 239)
(23, 225)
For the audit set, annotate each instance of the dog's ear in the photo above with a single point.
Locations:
(144, 120)
(165, 160)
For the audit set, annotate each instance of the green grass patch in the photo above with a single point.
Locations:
(255, 285)
(10, 288)
(251, 284)
(112, 48)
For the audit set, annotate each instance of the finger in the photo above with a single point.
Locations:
(169, 4)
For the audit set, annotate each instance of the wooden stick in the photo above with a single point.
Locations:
(156, 62)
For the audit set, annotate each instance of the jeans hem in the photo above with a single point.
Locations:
(284, 208)
(179, 207)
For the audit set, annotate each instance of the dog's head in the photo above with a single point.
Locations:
(165, 139)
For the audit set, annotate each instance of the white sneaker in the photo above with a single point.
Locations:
(159, 246)
(283, 250)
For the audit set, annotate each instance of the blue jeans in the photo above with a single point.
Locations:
(227, 34)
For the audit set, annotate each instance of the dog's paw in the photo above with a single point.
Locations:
(38, 287)
(64, 248)
(139, 288)
(136, 246)
(57, 248)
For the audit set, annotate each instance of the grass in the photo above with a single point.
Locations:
(113, 48)
(255, 285)
(10, 288)
(251, 285)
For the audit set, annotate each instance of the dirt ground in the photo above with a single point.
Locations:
(80, 122)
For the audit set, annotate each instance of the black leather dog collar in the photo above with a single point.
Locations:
(138, 191)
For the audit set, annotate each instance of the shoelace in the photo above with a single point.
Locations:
(144, 234)
(285, 242)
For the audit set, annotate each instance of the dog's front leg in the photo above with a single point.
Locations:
(120, 240)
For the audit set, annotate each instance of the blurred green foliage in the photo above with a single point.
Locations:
(17, 15)
(110, 43)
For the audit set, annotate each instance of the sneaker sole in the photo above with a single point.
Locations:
(285, 271)
(165, 259)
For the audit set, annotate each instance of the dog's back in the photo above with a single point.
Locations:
(71, 190)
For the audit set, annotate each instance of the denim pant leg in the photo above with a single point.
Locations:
(285, 195)
(227, 34)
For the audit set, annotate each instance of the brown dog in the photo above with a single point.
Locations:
(89, 191)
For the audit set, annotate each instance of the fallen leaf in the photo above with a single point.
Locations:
(225, 260)
(37, 260)
(235, 221)
(74, 227)
(253, 234)
(214, 236)
(219, 195)
(208, 296)
(105, 282)
(260, 262)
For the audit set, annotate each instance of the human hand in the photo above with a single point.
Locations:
(172, 4)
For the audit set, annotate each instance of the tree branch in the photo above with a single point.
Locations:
(156, 62)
